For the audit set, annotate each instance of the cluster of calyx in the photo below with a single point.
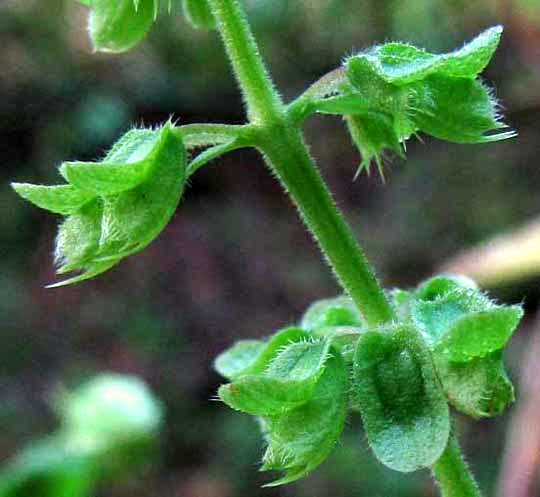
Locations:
(108, 425)
(393, 91)
(445, 348)
(116, 206)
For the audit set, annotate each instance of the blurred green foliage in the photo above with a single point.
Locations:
(233, 263)
(108, 426)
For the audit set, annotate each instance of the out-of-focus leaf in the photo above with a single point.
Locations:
(338, 311)
(199, 14)
(108, 411)
(118, 25)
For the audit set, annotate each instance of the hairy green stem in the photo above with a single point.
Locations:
(262, 99)
(213, 153)
(452, 473)
(275, 131)
(283, 147)
(325, 86)
(287, 155)
(203, 135)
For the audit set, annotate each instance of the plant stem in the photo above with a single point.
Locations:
(283, 147)
(262, 99)
(203, 135)
(276, 133)
(288, 157)
(452, 473)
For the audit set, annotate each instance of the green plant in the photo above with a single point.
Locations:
(108, 426)
(399, 357)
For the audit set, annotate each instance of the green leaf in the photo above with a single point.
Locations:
(466, 333)
(133, 146)
(275, 344)
(133, 218)
(342, 105)
(479, 387)
(78, 238)
(299, 361)
(401, 64)
(302, 438)
(199, 14)
(336, 319)
(90, 271)
(288, 381)
(436, 316)
(238, 358)
(265, 396)
(479, 333)
(254, 356)
(439, 285)
(403, 408)
(337, 311)
(118, 25)
(459, 321)
(62, 199)
(373, 133)
(126, 166)
(473, 58)
(459, 110)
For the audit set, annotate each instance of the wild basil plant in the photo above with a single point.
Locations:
(399, 357)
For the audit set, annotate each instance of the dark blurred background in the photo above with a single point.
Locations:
(235, 262)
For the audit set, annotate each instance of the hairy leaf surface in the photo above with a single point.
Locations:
(238, 358)
(288, 381)
(479, 387)
(254, 356)
(302, 438)
(403, 407)
(60, 199)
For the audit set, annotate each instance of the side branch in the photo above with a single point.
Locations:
(205, 135)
